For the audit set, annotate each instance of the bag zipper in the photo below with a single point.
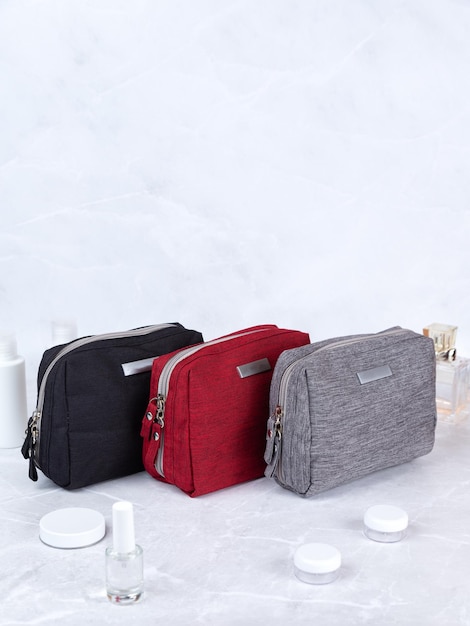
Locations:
(30, 448)
(164, 383)
(275, 466)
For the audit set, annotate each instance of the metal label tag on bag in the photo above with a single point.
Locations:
(376, 373)
(137, 367)
(255, 367)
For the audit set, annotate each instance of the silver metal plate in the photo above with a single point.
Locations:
(376, 373)
(137, 367)
(255, 367)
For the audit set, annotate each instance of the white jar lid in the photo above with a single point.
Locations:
(317, 558)
(386, 518)
(72, 528)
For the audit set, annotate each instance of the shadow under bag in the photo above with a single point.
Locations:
(91, 395)
(204, 428)
(345, 407)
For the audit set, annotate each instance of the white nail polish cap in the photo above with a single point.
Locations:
(123, 527)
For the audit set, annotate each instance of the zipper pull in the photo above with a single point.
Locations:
(32, 473)
(156, 435)
(159, 415)
(273, 437)
(148, 419)
(154, 415)
(27, 449)
(153, 431)
(271, 468)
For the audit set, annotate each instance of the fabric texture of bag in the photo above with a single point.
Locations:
(345, 407)
(91, 396)
(204, 428)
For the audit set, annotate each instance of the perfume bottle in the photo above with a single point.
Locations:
(124, 560)
(452, 374)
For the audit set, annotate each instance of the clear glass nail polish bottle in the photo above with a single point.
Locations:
(124, 560)
(452, 374)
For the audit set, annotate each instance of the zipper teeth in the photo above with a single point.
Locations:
(77, 344)
(159, 459)
(168, 368)
(286, 374)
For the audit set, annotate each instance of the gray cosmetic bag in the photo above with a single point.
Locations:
(346, 407)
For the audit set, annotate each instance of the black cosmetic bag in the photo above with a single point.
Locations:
(92, 394)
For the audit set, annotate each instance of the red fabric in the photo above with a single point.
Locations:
(151, 443)
(215, 421)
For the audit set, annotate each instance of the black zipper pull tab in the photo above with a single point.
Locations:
(27, 449)
(33, 473)
(32, 427)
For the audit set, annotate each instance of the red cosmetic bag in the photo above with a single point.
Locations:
(204, 428)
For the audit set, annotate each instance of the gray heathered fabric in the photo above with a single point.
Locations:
(334, 429)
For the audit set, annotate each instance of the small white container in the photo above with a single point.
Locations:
(385, 523)
(317, 563)
(13, 403)
(73, 527)
(63, 331)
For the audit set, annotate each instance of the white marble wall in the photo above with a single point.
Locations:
(227, 163)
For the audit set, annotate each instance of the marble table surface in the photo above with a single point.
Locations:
(226, 558)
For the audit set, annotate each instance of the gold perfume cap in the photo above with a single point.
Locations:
(444, 337)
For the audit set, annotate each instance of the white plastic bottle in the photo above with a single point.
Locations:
(13, 405)
(63, 331)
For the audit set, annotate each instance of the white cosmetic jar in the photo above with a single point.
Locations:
(385, 523)
(317, 563)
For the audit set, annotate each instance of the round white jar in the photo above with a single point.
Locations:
(317, 563)
(73, 527)
(385, 523)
